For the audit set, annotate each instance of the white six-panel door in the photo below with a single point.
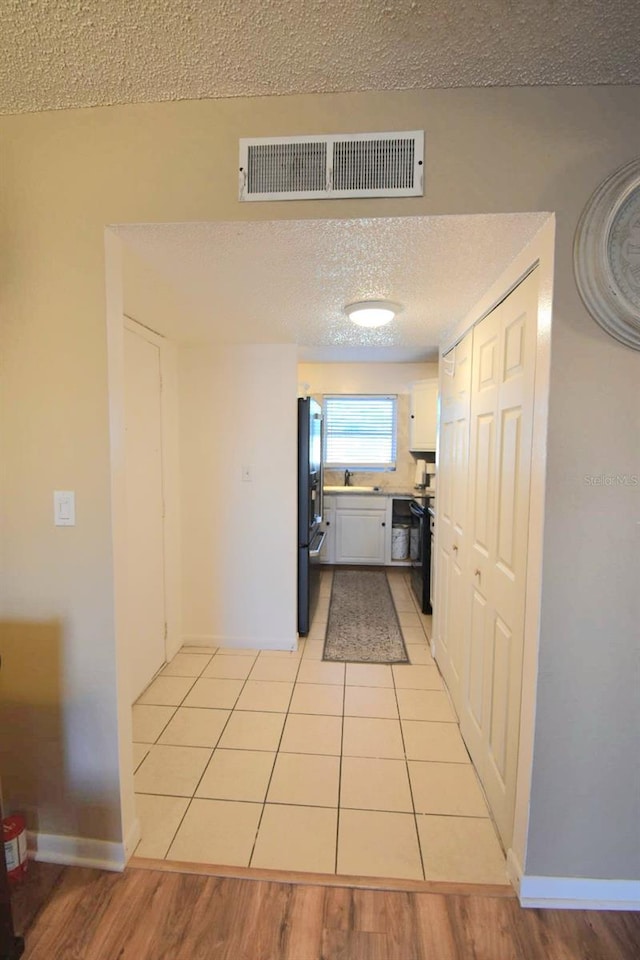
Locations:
(451, 525)
(482, 532)
(144, 491)
(501, 423)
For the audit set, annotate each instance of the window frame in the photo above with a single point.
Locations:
(350, 463)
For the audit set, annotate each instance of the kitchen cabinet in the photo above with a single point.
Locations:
(423, 416)
(360, 530)
(328, 526)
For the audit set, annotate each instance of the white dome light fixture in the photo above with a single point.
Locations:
(372, 313)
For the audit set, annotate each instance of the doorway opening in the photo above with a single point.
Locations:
(254, 367)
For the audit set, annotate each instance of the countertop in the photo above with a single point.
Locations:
(349, 491)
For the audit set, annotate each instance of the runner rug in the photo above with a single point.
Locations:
(363, 624)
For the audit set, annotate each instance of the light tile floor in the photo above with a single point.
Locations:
(279, 760)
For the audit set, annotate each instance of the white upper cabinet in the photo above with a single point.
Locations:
(423, 419)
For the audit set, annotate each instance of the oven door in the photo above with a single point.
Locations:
(417, 551)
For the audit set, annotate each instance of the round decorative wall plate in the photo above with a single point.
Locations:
(606, 255)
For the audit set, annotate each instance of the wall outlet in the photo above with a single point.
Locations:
(246, 474)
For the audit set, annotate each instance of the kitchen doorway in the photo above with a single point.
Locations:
(541, 248)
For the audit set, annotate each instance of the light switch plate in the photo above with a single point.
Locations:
(64, 508)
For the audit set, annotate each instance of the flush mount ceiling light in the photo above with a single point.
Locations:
(372, 313)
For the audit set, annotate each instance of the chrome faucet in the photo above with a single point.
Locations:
(347, 478)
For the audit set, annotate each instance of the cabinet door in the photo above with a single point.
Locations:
(360, 536)
(423, 422)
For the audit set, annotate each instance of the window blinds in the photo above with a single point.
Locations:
(360, 432)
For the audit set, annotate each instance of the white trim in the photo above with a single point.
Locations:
(76, 851)
(514, 870)
(577, 893)
(238, 643)
(170, 480)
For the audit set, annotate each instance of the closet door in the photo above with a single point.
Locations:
(450, 614)
(498, 513)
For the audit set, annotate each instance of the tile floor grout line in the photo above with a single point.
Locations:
(213, 749)
(209, 657)
(408, 773)
(344, 704)
(273, 766)
(319, 806)
(173, 838)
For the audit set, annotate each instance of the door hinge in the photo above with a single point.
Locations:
(166, 632)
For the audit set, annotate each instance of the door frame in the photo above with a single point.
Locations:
(167, 442)
(538, 253)
(116, 320)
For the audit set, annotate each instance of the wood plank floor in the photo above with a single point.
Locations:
(154, 915)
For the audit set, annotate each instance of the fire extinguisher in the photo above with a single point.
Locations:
(14, 834)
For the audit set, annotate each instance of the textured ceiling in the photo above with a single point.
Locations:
(78, 53)
(287, 281)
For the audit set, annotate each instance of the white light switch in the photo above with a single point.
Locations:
(246, 473)
(64, 508)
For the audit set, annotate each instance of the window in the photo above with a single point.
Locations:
(360, 432)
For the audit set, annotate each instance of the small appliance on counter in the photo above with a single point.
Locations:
(420, 481)
(431, 480)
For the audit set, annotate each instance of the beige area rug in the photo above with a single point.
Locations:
(363, 624)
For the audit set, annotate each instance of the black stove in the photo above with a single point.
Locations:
(422, 506)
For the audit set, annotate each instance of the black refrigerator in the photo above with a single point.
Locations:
(310, 537)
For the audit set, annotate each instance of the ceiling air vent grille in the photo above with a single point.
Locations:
(335, 166)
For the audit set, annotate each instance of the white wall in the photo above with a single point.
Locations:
(237, 408)
(363, 377)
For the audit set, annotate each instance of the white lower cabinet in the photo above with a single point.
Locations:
(359, 529)
(360, 534)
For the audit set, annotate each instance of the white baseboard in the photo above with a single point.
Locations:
(578, 893)
(76, 851)
(238, 643)
(514, 870)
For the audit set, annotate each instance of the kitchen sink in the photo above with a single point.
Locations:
(343, 489)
